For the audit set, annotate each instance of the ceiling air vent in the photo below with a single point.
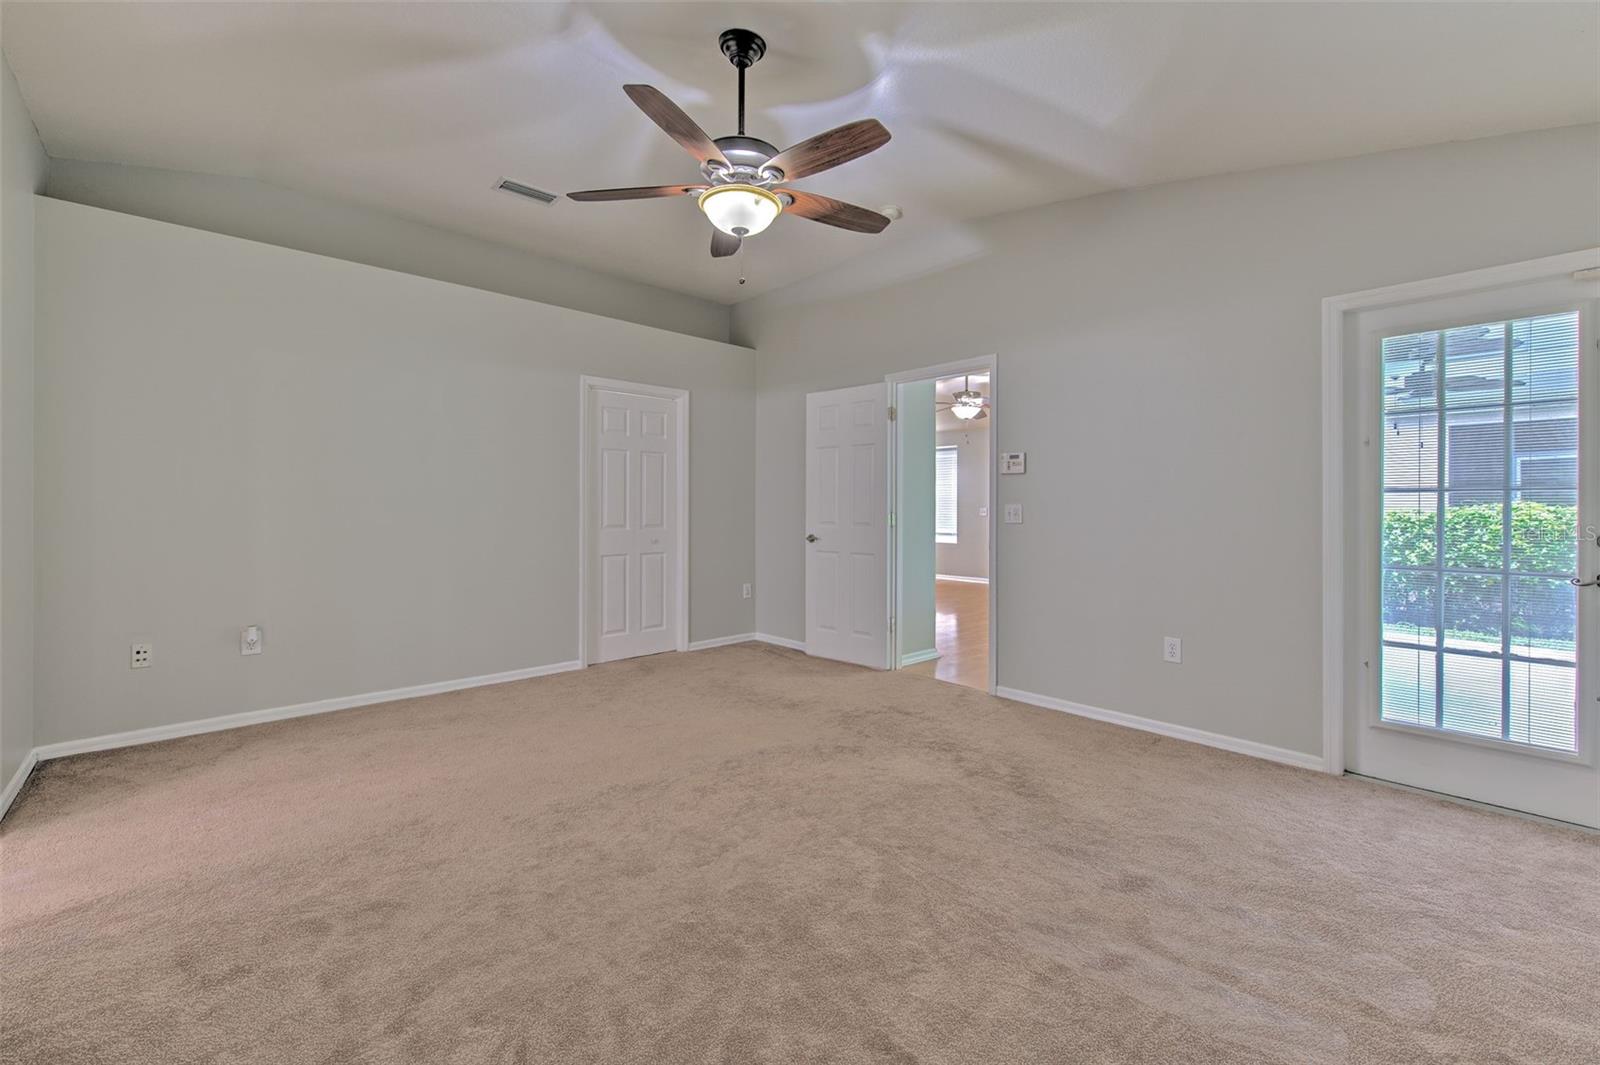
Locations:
(528, 191)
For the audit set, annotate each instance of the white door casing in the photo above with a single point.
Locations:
(986, 364)
(634, 551)
(847, 585)
(1553, 783)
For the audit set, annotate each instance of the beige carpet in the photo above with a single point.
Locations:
(743, 855)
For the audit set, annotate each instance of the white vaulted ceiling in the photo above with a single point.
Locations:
(419, 108)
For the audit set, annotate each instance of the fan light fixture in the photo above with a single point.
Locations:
(968, 404)
(745, 178)
(740, 210)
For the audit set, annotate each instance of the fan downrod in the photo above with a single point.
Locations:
(743, 49)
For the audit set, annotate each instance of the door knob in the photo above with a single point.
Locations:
(811, 538)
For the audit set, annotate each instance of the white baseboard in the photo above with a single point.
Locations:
(919, 656)
(1299, 759)
(722, 641)
(279, 713)
(19, 778)
(748, 637)
(962, 580)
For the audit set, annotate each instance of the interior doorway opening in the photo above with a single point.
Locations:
(944, 499)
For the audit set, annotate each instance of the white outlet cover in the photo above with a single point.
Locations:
(1172, 649)
(747, 590)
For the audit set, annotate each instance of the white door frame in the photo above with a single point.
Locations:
(1337, 312)
(680, 399)
(988, 364)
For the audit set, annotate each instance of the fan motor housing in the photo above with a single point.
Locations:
(746, 151)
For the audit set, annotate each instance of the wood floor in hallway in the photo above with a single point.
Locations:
(961, 635)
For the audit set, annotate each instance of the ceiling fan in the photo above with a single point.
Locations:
(744, 189)
(967, 404)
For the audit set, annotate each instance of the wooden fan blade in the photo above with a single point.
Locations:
(833, 212)
(648, 192)
(723, 244)
(827, 150)
(679, 126)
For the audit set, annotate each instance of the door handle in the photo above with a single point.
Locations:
(1576, 583)
(811, 538)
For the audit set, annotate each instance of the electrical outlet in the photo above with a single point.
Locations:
(747, 589)
(250, 639)
(1172, 650)
(139, 655)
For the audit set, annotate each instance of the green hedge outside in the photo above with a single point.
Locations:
(1543, 540)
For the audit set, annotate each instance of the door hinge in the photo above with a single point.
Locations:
(891, 414)
(891, 519)
(891, 625)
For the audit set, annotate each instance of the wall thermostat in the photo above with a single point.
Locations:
(1013, 462)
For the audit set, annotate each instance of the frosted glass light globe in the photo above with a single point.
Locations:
(967, 405)
(740, 210)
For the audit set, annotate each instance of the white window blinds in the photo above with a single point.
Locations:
(945, 497)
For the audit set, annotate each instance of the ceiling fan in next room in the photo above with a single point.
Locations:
(744, 189)
(967, 404)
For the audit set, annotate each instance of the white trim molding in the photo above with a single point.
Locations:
(18, 779)
(680, 400)
(722, 641)
(748, 637)
(918, 656)
(960, 580)
(989, 364)
(1336, 311)
(1282, 755)
(280, 713)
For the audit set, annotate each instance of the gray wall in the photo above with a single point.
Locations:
(381, 469)
(915, 615)
(22, 169)
(1159, 356)
(258, 211)
(969, 555)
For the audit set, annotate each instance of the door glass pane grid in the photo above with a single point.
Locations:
(1479, 624)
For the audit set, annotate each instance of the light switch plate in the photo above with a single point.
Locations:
(1013, 513)
(250, 640)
